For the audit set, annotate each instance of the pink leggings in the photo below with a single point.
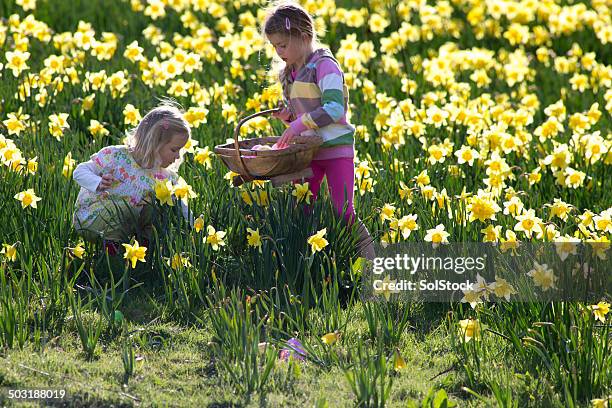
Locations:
(340, 175)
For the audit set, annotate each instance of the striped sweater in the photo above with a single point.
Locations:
(318, 100)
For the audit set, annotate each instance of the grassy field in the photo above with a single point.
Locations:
(477, 121)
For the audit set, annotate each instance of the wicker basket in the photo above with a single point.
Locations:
(265, 164)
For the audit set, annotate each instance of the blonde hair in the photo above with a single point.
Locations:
(290, 19)
(157, 128)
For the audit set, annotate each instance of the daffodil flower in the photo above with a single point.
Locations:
(9, 251)
(215, 238)
(317, 242)
(398, 362)
(330, 338)
(470, 329)
(302, 192)
(253, 238)
(78, 250)
(163, 192)
(27, 198)
(198, 224)
(600, 310)
(134, 253)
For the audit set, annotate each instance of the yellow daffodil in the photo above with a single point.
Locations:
(566, 246)
(482, 207)
(385, 286)
(78, 251)
(57, 124)
(560, 209)
(163, 192)
(254, 239)
(302, 192)
(534, 177)
(362, 170)
(603, 222)
(134, 253)
(600, 246)
(196, 116)
(473, 297)
(601, 402)
(387, 212)
(509, 242)
(513, 207)
(366, 185)
(198, 224)
(133, 52)
(501, 288)
(330, 338)
(317, 242)
(405, 193)
(491, 233)
(16, 61)
(600, 310)
(68, 166)
(9, 251)
(88, 102)
(405, 225)
(27, 4)
(155, 9)
(183, 191)
(27, 198)
(398, 361)
(542, 276)
(469, 329)
(32, 166)
(16, 123)
(203, 156)
(96, 129)
(259, 196)
(118, 83)
(179, 261)
(131, 115)
(215, 238)
(528, 223)
(466, 155)
(230, 177)
(422, 179)
(437, 235)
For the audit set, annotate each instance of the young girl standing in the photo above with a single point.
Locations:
(317, 100)
(118, 182)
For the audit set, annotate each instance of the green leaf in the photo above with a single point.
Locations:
(358, 266)
(441, 399)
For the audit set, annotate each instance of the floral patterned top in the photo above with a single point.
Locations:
(133, 185)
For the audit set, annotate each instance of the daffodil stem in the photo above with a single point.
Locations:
(499, 334)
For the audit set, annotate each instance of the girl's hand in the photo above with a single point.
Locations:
(285, 139)
(284, 114)
(105, 183)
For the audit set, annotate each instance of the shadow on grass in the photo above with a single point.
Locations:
(428, 317)
(224, 405)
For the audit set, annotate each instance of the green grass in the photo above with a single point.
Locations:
(191, 336)
(175, 365)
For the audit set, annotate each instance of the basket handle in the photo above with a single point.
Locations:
(237, 134)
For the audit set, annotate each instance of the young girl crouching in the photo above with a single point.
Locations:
(118, 182)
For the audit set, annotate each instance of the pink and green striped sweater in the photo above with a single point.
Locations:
(318, 100)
